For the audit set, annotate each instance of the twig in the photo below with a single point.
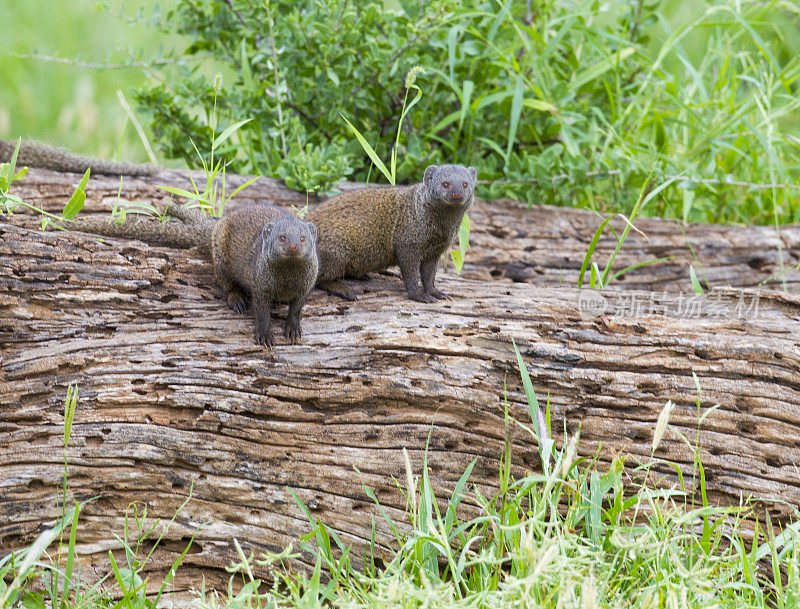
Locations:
(279, 105)
(96, 66)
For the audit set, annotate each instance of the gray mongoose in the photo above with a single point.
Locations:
(410, 226)
(258, 251)
(36, 154)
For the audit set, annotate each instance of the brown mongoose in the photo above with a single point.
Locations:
(258, 251)
(411, 226)
(36, 154)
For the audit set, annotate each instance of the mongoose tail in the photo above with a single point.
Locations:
(174, 234)
(36, 154)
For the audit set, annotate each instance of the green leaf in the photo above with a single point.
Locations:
(466, 95)
(7, 173)
(458, 260)
(516, 111)
(128, 579)
(244, 60)
(538, 104)
(242, 187)
(637, 265)
(688, 203)
(533, 403)
(587, 258)
(463, 243)
(78, 198)
(603, 66)
(463, 234)
(490, 99)
(32, 554)
(33, 601)
(455, 499)
(228, 132)
(446, 121)
(333, 76)
(452, 37)
(370, 152)
(698, 289)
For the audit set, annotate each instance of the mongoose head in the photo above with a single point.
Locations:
(289, 238)
(451, 184)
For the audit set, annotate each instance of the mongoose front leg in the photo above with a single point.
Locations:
(428, 272)
(261, 310)
(410, 270)
(292, 329)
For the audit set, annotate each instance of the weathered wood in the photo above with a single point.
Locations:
(174, 393)
(510, 242)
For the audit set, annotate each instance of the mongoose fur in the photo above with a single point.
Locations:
(258, 251)
(411, 226)
(36, 154)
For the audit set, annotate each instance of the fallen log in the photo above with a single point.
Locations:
(177, 400)
(510, 242)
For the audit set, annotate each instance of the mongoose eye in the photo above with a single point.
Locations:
(283, 238)
(464, 185)
(302, 238)
(445, 184)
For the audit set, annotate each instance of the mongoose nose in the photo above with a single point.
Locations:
(457, 196)
(292, 247)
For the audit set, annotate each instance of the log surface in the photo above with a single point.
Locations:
(175, 395)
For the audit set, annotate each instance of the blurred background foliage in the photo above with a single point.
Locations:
(567, 102)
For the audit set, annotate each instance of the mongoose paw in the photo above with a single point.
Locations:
(422, 297)
(439, 295)
(237, 302)
(264, 337)
(293, 332)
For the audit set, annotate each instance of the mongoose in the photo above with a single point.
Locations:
(410, 226)
(35, 154)
(258, 251)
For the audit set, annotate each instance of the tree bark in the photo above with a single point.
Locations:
(175, 394)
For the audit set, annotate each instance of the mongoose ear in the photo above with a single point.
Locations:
(313, 228)
(474, 173)
(429, 171)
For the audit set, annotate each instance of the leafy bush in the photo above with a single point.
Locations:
(577, 103)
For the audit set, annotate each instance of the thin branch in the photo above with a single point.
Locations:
(99, 66)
